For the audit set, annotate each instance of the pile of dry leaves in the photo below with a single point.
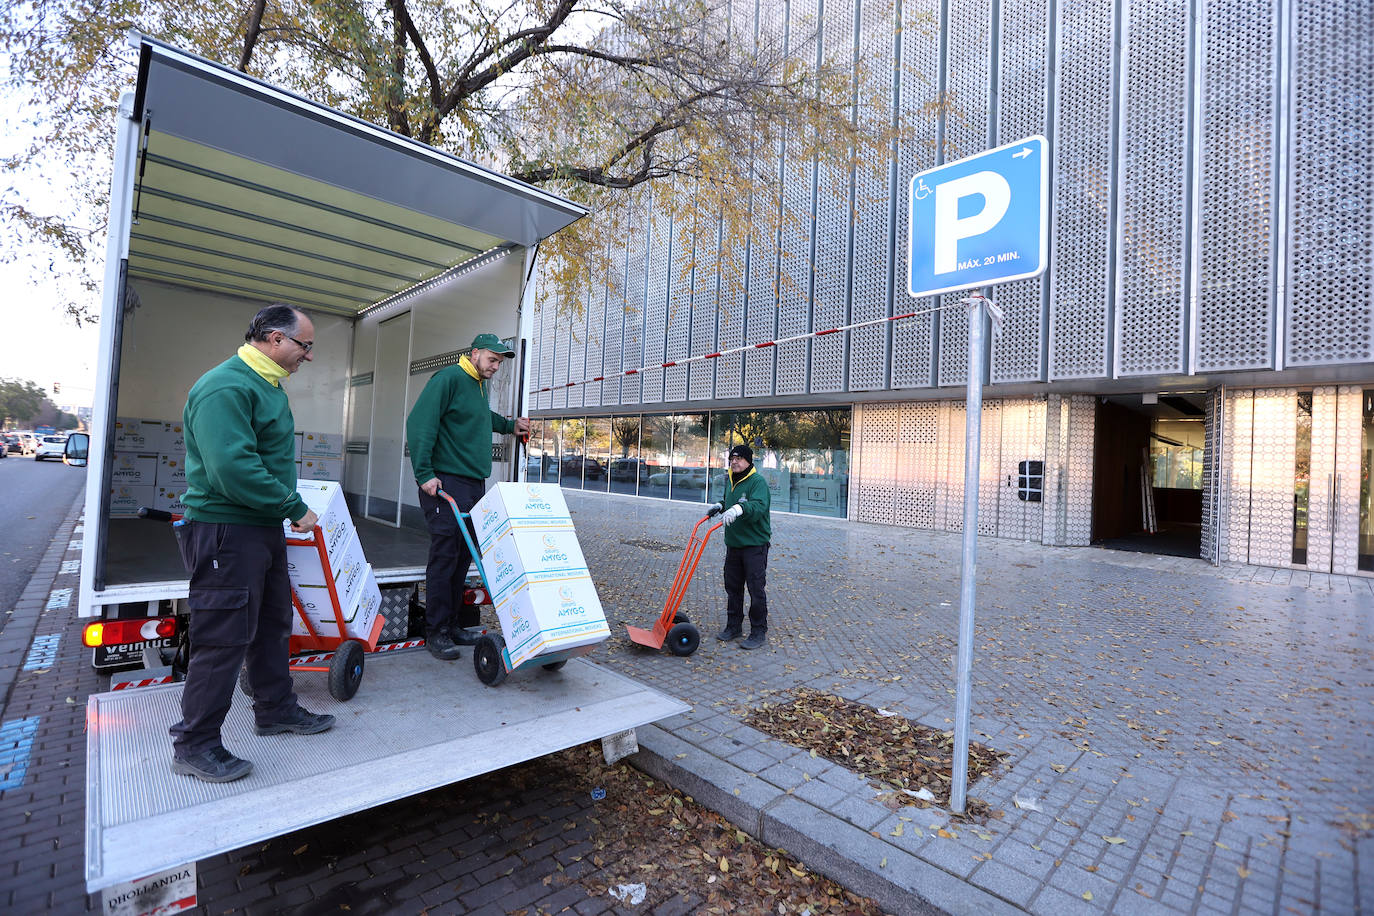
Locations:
(898, 754)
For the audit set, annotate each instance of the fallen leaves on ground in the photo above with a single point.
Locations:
(892, 750)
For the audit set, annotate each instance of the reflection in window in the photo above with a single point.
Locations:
(1365, 550)
(655, 447)
(553, 450)
(1176, 448)
(571, 466)
(624, 466)
(534, 453)
(595, 474)
(688, 477)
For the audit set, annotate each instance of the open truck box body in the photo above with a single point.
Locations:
(229, 194)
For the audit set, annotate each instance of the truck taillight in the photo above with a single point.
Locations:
(123, 632)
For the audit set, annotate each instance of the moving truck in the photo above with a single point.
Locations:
(229, 194)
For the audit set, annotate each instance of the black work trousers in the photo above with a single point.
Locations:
(449, 558)
(746, 566)
(240, 602)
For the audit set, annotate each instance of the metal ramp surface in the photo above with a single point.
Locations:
(415, 724)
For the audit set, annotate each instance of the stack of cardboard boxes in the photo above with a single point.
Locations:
(541, 588)
(150, 464)
(354, 583)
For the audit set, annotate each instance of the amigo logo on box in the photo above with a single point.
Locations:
(568, 605)
(535, 501)
(553, 551)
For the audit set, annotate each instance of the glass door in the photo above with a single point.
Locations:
(1338, 525)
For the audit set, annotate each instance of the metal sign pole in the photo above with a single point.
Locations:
(958, 793)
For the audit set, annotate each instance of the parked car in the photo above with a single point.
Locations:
(50, 447)
(29, 442)
(683, 478)
(12, 445)
(629, 469)
(577, 466)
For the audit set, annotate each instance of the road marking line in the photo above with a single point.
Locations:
(69, 567)
(43, 652)
(59, 598)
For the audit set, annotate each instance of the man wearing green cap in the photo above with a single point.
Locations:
(449, 435)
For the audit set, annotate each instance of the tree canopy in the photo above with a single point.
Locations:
(589, 98)
(21, 401)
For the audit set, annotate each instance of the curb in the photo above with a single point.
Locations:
(905, 885)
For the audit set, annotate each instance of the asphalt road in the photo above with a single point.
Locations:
(35, 497)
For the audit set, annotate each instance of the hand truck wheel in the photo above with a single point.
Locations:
(346, 670)
(683, 639)
(487, 660)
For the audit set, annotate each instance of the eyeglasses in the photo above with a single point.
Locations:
(307, 347)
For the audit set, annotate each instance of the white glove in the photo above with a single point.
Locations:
(715, 509)
(732, 513)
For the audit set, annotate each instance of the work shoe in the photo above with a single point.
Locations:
(729, 633)
(441, 646)
(756, 639)
(466, 636)
(214, 765)
(299, 722)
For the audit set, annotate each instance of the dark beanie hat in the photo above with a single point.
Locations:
(743, 451)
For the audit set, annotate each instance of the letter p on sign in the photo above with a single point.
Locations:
(980, 221)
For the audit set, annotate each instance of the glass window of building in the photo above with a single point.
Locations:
(803, 454)
(1365, 550)
(1176, 448)
(655, 448)
(624, 471)
(1302, 476)
(573, 463)
(534, 453)
(688, 477)
(595, 469)
(553, 451)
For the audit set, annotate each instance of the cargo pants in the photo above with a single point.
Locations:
(746, 566)
(240, 600)
(446, 572)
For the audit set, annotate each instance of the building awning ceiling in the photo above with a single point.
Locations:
(248, 190)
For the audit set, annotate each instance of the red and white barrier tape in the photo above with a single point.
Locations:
(994, 311)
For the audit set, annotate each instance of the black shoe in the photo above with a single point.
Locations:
(441, 646)
(729, 633)
(756, 639)
(466, 636)
(214, 765)
(300, 722)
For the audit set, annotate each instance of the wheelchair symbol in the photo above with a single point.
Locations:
(922, 192)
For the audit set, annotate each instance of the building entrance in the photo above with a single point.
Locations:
(1147, 474)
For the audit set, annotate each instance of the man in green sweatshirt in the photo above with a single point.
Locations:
(748, 532)
(449, 434)
(240, 486)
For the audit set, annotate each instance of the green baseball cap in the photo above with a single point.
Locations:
(493, 343)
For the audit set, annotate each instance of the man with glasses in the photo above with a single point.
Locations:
(449, 434)
(240, 486)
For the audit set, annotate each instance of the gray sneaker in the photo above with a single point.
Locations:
(299, 722)
(214, 765)
(755, 640)
(729, 633)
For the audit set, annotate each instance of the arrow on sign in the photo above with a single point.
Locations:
(1025, 151)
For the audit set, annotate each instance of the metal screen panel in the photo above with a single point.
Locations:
(1023, 439)
(706, 293)
(1153, 180)
(536, 347)
(1321, 477)
(1078, 490)
(1212, 445)
(1330, 309)
(877, 470)
(1052, 529)
(560, 338)
(1022, 110)
(544, 316)
(830, 297)
(1271, 477)
(659, 256)
(596, 338)
(872, 196)
(680, 294)
(919, 94)
(917, 478)
(1238, 424)
(577, 355)
(1081, 220)
(636, 290)
(1237, 164)
(989, 467)
(794, 265)
(1346, 496)
(761, 309)
(730, 320)
(615, 327)
(949, 502)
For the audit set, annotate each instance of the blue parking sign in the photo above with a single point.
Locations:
(981, 220)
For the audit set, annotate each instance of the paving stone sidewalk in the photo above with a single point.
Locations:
(1219, 721)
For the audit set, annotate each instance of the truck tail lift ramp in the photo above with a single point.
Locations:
(422, 724)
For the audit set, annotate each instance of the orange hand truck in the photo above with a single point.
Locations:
(672, 626)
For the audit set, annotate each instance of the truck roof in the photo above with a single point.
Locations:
(250, 190)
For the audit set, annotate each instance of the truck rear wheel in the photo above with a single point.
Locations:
(346, 670)
(487, 661)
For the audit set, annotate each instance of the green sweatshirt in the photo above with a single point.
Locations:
(240, 449)
(449, 428)
(750, 491)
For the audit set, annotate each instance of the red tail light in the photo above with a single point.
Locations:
(123, 632)
(476, 596)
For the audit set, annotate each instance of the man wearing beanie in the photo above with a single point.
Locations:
(748, 531)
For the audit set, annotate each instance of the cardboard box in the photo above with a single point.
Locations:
(171, 471)
(326, 498)
(322, 445)
(304, 568)
(362, 618)
(168, 499)
(543, 617)
(134, 470)
(173, 439)
(522, 555)
(125, 500)
(320, 469)
(299, 437)
(526, 506)
(132, 434)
